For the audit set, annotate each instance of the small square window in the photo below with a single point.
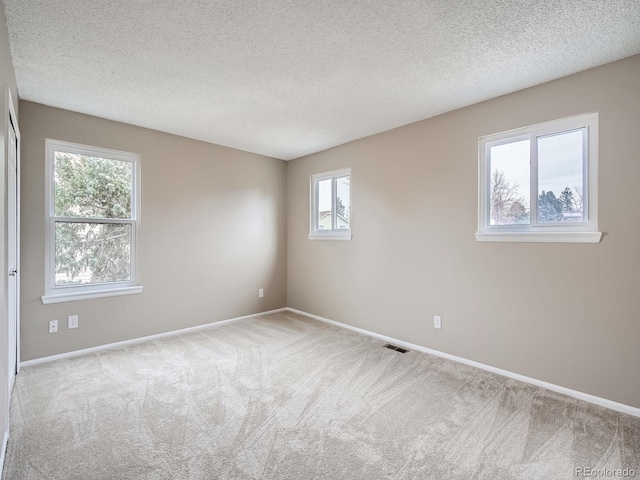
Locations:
(330, 217)
(539, 183)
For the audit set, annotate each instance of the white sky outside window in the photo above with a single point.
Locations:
(342, 193)
(513, 160)
(560, 162)
(324, 197)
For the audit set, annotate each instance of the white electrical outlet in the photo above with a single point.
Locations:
(437, 321)
(72, 321)
(53, 326)
(261, 293)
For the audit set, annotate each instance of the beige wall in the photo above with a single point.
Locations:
(567, 314)
(7, 77)
(213, 233)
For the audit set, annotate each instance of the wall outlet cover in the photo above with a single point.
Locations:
(53, 326)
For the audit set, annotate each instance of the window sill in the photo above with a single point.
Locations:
(89, 295)
(540, 237)
(330, 236)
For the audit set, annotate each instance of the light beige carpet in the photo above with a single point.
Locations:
(286, 397)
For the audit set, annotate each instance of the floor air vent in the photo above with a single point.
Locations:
(397, 349)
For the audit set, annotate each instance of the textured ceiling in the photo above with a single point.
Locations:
(286, 78)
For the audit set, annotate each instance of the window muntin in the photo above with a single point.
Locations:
(331, 205)
(540, 180)
(93, 208)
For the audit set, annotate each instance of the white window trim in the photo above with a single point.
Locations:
(58, 294)
(330, 234)
(583, 232)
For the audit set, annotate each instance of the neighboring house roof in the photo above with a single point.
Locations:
(324, 213)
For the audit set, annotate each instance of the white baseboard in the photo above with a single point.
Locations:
(110, 346)
(603, 402)
(4, 451)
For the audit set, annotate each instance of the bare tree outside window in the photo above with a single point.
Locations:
(508, 205)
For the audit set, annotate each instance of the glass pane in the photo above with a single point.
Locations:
(92, 253)
(560, 177)
(510, 183)
(324, 204)
(92, 187)
(343, 205)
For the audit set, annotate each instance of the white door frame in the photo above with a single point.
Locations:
(11, 121)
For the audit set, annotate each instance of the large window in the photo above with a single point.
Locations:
(331, 205)
(93, 230)
(539, 183)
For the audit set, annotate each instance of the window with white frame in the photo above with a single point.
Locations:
(331, 205)
(540, 183)
(93, 222)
